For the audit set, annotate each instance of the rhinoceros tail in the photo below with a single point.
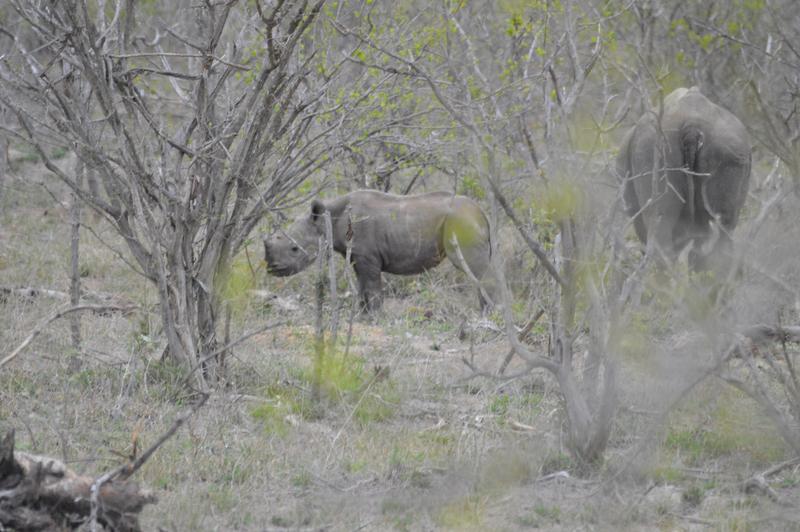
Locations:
(691, 142)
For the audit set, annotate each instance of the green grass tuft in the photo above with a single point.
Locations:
(463, 514)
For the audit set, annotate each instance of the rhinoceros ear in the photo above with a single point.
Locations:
(317, 208)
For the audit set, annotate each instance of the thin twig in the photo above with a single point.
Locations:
(319, 337)
(230, 345)
(59, 314)
(126, 470)
(178, 54)
(334, 325)
(522, 334)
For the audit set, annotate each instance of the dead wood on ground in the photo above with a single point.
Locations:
(41, 493)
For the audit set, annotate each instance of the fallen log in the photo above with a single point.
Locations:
(39, 493)
(27, 292)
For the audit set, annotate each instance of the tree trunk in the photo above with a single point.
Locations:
(207, 328)
(588, 430)
(4, 162)
(75, 273)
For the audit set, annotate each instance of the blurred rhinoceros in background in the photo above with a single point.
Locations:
(686, 178)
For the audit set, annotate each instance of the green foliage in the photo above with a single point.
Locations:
(339, 375)
(517, 406)
(59, 152)
(378, 405)
(699, 443)
(545, 226)
(236, 283)
(164, 378)
(529, 7)
(235, 470)
(254, 54)
(471, 186)
(90, 378)
(560, 200)
(633, 340)
(475, 91)
(412, 449)
(222, 497)
(302, 479)
(517, 26)
(587, 135)
(463, 514)
(465, 233)
(739, 420)
(281, 401)
(735, 426)
(400, 513)
(273, 416)
(666, 475)
(527, 521)
(18, 384)
(552, 513)
(754, 5)
(670, 79)
(556, 461)
(341, 380)
(499, 404)
(29, 155)
(505, 470)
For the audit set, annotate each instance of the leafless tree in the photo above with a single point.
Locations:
(196, 128)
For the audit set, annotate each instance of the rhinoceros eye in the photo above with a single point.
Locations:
(295, 248)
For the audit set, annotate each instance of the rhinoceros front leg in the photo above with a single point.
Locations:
(369, 284)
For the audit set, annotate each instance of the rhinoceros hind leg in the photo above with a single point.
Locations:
(370, 285)
(466, 244)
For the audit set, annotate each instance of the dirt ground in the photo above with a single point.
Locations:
(405, 437)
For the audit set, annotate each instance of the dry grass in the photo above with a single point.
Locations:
(417, 449)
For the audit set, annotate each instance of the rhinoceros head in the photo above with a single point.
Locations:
(290, 251)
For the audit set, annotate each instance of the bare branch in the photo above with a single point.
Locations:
(64, 311)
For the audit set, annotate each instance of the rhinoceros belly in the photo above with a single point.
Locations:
(412, 256)
(409, 250)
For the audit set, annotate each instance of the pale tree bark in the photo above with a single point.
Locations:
(74, 261)
(5, 167)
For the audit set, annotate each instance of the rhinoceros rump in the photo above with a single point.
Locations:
(686, 178)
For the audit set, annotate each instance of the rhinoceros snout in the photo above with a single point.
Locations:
(279, 272)
(280, 262)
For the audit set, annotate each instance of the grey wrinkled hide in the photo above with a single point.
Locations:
(694, 169)
(403, 235)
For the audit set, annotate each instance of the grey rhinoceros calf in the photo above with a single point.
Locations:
(403, 235)
(686, 178)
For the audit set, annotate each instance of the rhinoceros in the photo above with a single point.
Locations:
(403, 235)
(685, 178)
